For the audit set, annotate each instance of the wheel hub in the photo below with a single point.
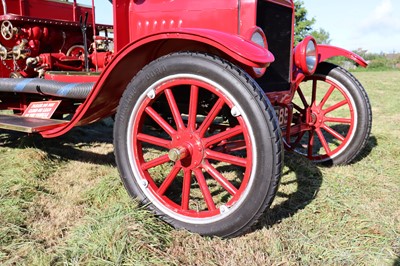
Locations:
(313, 119)
(316, 116)
(187, 149)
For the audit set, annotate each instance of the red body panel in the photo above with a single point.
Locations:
(145, 18)
(247, 16)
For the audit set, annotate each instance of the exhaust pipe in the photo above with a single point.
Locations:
(44, 87)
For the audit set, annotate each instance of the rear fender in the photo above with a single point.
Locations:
(326, 51)
(104, 98)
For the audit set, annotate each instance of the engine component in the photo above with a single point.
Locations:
(21, 51)
(3, 52)
(102, 43)
(32, 61)
(8, 30)
(76, 50)
(15, 75)
(83, 24)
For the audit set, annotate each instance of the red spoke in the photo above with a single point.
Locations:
(323, 141)
(187, 179)
(204, 189)
(333, 133)
(168, 180)
(220, 179)
(338, 120)
(153, 140)
(175, 109)
(314, 91)
(310, 143)
(211, 116)
(336, 106)
(326, 97)
(194, 97)
(156, 162)
(303, 99)
(160, 121)
(229, 133)
(223, 157)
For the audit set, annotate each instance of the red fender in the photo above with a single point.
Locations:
(104, 98)
(326, 51)
(242, 50)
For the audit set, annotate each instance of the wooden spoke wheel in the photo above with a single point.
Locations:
(332, 117)
(197, 142)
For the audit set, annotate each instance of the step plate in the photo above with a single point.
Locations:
(28, 124)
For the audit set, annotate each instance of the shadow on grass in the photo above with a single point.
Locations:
(302, 173)
(372, 142)
(70, 146)
(397, 262)
(307, 178)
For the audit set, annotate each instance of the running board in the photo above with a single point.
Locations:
(28, 124)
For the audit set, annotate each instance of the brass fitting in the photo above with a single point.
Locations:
(21, 51)
(3, 52)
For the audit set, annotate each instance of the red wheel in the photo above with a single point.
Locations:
(185, 136)
(332, 116)
(76, 50)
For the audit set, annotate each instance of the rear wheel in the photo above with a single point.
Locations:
(332, 117)
(198, 143)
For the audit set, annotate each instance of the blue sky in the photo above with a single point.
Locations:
(373, 25)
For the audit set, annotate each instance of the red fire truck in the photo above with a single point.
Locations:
(206, 97)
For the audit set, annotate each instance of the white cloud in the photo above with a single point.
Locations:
(370, 24)
(380, 28)
(382, 20)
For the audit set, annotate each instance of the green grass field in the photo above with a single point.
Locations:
(62, 203)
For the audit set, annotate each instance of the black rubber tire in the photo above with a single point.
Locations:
(261, 118)
(362, 128)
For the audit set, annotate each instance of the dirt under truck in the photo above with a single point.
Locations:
(206, 95)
